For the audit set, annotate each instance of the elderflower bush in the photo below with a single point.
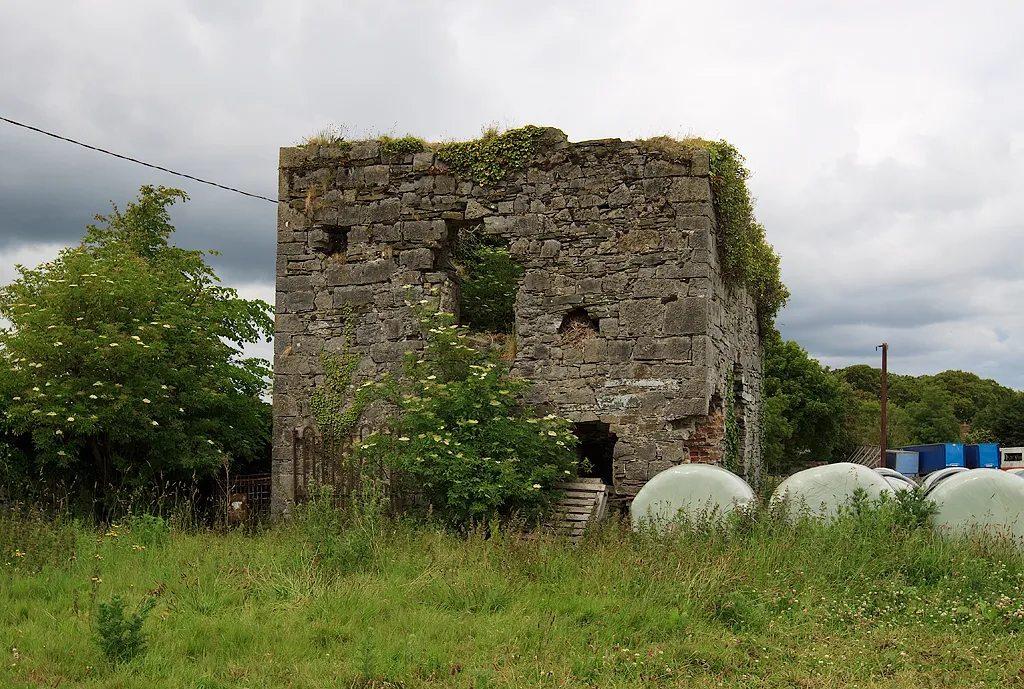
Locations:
(462, 433)
(122, 362)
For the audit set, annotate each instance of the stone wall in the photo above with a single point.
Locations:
(605, 230)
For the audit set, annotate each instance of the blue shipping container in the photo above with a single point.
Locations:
(938, 456)
(906, 462)
(982, 456)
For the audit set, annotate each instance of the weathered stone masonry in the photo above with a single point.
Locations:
(604, 229)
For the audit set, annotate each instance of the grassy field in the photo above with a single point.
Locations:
(321, 603)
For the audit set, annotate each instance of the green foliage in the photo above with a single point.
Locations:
(148, 530)
(331, 136)
(803, 408)
(690, 608)
(1003, 421)
(402, 146)
(970, 394)
(122, 361)
(343, 540)
(462, 433)
(490, 280)
(337, 404)
(932, 418)
(929, 409)
(31, 540)
(491, 158)
(120, 636)
(746, 255)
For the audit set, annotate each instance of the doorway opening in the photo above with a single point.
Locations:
(596, 450)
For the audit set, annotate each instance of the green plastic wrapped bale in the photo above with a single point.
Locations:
(981, 500)
(823, 491)
(689, 490)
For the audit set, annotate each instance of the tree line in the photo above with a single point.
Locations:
(815, 413)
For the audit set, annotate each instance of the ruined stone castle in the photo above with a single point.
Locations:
(611, 234)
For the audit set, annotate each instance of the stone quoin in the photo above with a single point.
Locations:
(610, 233)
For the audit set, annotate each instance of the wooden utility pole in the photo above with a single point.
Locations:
(885, 383)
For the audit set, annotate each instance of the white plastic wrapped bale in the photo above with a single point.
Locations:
(886, 471)
(1016, 472)
(983, 499)
(939, 475)
(900, 483)
(688, 490)
(823, 491)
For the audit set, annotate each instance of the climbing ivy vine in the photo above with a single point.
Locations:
(335, 405)
(747, 257)
(494, 156)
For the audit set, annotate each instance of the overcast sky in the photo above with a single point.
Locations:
(886, 139)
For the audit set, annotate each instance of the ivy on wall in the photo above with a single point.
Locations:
(403, 146)
(335, 406)
(494, 156)
(747, 257)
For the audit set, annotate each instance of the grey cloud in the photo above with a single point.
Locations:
(887, 177)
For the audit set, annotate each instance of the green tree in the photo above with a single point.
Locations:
(803, 407)
(863, 378)
(1003, 421)
(122, 359)
(970, 394)
(932, 419)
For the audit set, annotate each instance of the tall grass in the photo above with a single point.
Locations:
(361, 600)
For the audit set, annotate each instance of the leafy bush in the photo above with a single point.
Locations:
(462, 433)
(492, 157)
(120, 636)
(148, 530)
(490, 279)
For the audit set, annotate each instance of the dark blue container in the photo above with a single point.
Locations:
(982, 456)
(938, 456)
(906, 462)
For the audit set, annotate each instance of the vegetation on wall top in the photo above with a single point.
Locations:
(330, 136)
(401, 146)
(747, 257)
(493, 156)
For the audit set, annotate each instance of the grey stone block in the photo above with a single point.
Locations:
(641, 316)
(686, 316)
(418, 259)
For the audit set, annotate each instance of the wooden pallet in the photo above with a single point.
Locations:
(583, 502)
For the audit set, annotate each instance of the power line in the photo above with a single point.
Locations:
(135, 160)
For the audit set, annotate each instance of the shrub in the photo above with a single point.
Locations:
(463, 434)
(148, 530)
(120, 636)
